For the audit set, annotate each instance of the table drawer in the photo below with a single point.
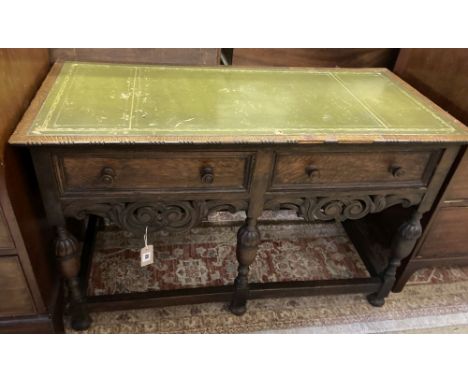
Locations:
(154, 171)
(15, 298)
(398, 168)
(6, 242)
(448, 235)
(458, 186)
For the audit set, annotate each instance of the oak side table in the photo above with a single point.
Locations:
(162, 147)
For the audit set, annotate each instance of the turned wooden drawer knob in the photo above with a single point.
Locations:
(397, 171)
(207, 174)
(107, 176)
(312, 171)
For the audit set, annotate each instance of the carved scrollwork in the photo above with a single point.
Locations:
(218, 206)
(336, 209)
(136, 216)
(342, 207)
(173, 217)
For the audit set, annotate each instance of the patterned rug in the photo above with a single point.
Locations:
(207, 257)
(290, 250)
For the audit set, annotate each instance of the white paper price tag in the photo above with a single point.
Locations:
(147, 252)
(146, 255)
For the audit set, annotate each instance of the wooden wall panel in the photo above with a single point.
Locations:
(140, 56)
(316, 57)
(440, 74)
(21, 73)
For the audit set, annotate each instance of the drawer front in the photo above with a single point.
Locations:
(151, 171)
(15, 298)
(332, 169)
(6, 242)
(458, 186)
(448, 235)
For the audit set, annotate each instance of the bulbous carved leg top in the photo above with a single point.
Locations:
(67, 253)
(402, 245)
(248, 239)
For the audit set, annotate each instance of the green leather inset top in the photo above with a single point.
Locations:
(112, 100)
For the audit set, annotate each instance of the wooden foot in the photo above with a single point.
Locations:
(80, 319)
(67, 253)
(241, 291)
(375, 300)
(248, 239)
(403, 243)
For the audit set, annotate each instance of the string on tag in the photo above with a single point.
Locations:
(145, 237)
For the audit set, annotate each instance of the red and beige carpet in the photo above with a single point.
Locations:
(435, 300)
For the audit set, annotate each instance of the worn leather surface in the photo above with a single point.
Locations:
(128, 100)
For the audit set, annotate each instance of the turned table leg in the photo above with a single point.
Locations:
(248, 239)
(402, 245)
(67, 253)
